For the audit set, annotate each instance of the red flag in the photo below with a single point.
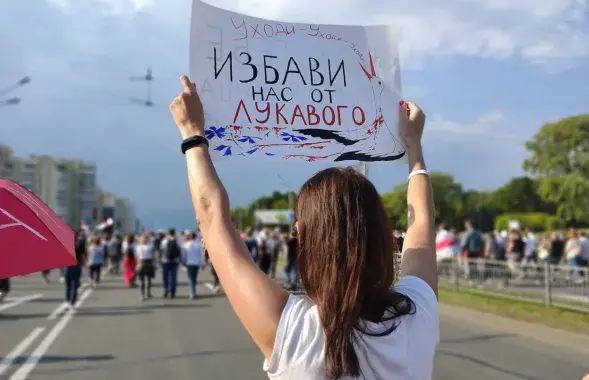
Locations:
(32, 237)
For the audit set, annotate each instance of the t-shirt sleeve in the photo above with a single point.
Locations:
(298, 332)
(426, 303)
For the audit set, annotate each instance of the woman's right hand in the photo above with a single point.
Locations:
(411, 123)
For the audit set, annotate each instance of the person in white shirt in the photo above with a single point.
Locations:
(193, 258)
(354, 322)
(445, 247)
(145, 268)
(95, 261)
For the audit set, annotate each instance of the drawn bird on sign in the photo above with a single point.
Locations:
(386, 117)
(382, 114)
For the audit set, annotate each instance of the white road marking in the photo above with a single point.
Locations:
(57, 311)
(15, 301)
(32, 361)
(18, 350)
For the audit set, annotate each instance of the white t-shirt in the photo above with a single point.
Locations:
(193, 253)
(406, 353)
(144, 252)
(531, 244)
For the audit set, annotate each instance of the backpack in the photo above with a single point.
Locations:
(172, 250)
(475, 243)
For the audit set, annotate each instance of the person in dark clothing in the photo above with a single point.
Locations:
(73, 274)
(251, 244)
(4, 288)
(556, 249)
(290, 269)
(265, 257)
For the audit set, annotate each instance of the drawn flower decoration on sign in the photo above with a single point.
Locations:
(218, 132)
(225, 149)
(247, 139)
(290, 137)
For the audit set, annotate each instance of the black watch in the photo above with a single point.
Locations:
(194, 141)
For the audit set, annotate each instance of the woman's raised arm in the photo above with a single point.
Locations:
(256, 299)
(419, 247)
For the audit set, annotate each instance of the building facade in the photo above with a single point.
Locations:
(21, 170)
(68, 187)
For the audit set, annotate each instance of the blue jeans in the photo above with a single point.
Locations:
(72, 283)
(291, 273)
(192, 271)
(170, 277)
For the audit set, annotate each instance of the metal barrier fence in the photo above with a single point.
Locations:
(554, 285)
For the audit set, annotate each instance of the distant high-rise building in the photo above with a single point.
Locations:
(68, 187)
(21, 170)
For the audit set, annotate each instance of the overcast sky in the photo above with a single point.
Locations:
(488, 73)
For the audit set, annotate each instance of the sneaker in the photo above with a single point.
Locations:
(61, 280)
(216, 289)
(173, 295)
(192, 296)
(142, 298)
(165, 294)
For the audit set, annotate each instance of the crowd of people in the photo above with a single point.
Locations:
(518, 249)
(139, 257)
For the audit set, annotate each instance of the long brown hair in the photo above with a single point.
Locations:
(346, 262)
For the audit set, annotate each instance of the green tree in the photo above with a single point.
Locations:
(447, 198)
(520, 195)
(559, 158)
(395, 204)
(244, 217)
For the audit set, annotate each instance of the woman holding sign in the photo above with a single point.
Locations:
(355, 324)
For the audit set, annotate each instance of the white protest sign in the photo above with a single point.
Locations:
(296, 92)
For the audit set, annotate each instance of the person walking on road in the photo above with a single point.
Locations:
(144, 252)
(171, 254)
(193, 259)
(291, 269)
(72, 275)
(353, 322)
(4, 288)
(130, 261)
(115, 249)
(95, 260)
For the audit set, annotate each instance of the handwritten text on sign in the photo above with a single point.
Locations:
(294, 91)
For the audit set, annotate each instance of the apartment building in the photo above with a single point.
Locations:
(69, 188)
(21, 170)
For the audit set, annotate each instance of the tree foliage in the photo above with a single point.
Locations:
(519, 195)
(559, 158)
(244, 216)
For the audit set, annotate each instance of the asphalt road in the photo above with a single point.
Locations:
(114, 335)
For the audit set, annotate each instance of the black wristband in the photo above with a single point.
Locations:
(194, 141)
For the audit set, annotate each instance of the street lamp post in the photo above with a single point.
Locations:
(14, 100)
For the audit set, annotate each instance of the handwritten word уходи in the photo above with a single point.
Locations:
(327, 115)
(262, 30)
(272, 75)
